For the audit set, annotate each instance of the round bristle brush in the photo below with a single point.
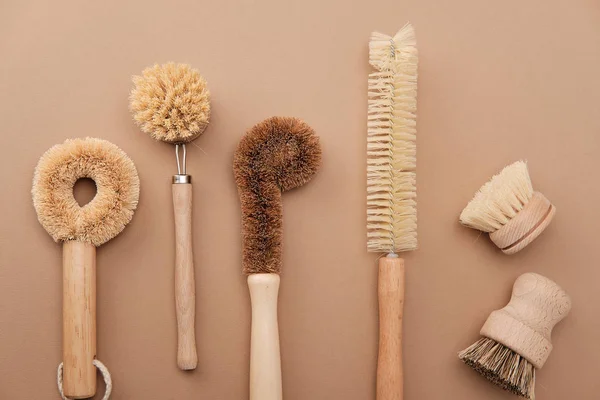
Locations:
(509, 210)
(81, 230)
(171, 103)
(274, 156)
(517, 339)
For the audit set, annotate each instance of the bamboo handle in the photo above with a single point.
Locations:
(185, 288)
(265, 362)
(79, 319)
(390, 384)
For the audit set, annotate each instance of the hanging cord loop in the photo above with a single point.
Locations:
(97, 364)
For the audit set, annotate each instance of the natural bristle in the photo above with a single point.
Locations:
(391, 143)
(499, 200)
(501, 366)
(107, 213)
(276, 155)
(170, 102)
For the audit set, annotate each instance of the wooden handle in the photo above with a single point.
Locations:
(525, 324)
(79, 319)
(390, 385)
(265, 362)
(524, 227)
(185, 287)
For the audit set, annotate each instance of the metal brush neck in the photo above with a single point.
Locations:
(182, 176)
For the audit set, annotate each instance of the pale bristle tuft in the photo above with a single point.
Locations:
(501, 366)
(499, 200)
(391, 143)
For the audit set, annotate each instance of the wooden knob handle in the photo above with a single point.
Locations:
(185, 287)
(79, 319)
(265, 362)
(390, 385)
(527, 225)
(525, 324)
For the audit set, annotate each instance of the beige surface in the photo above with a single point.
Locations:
(497, 83)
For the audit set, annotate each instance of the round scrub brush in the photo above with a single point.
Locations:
(81, 230)
(509, 209)
(276, 155)
(516, 339)
(172, 104)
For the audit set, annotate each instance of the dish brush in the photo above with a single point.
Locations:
(509, 209)
(171, 103)
(517, 339)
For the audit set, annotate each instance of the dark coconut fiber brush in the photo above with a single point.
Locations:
(274, 156)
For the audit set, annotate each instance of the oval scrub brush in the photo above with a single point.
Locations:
(391, 189)
(172, 104)
(276, 155)
(509, 209)
(516, 339)
(81, 230)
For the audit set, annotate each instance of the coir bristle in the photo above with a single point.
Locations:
(276, 155)
(391, 143)
(501, 366)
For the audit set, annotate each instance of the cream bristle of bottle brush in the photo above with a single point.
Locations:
(509, 209)
(391, 189)
(516, 340)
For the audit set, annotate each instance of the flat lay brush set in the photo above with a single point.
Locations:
(171, 103)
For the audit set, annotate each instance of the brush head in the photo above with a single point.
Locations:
(107, 213)
(276, 155)
(391, 143)
(171, 102)
(499, 200)
(517, 338)
(509, 209)
(501, 366)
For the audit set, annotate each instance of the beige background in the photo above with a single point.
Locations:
(498, 82)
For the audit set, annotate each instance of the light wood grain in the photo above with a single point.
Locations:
(390, 375)
(527, 225)
(79, 319)
(525, 324)
(265, 361)
(185, 286)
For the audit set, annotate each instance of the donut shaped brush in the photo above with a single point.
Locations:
(276, 155)
(81, 230)
(172, 104)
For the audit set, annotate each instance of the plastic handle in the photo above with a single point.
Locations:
(390, 385)
(265, 362)
(79, 319)
(185, 287)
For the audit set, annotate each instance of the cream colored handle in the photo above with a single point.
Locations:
(79, 319)
(265, 362)
(185, 286)
(390, 384)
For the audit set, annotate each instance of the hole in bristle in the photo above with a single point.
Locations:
(84, 191)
